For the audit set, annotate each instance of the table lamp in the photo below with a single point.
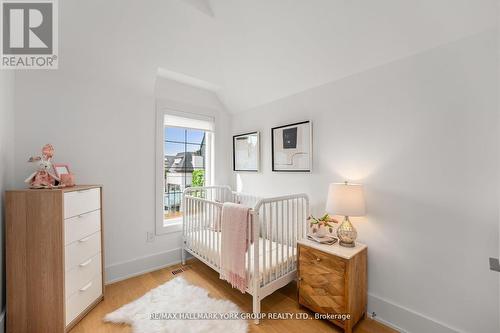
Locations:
(347, 200)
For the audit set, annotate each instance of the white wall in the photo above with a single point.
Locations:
(98, 110)
(422, 134)
(6, 163)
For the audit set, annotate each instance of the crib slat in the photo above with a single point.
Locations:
(277, 241)
(287, 236)
(208, 231)
(217, 227)
(270, 250)
(301, 214)
(301, 218)
(212, 219)
(187, 215)
(198, 226)
(195, 225)
(270, 240)
(264, 253)
(193, 209)
(249, 249)
(189, 218)
(219, 251)
(196, 217)
(190, 223)
(193, 217)
(282, 224)
(202, 228)
(203, 234)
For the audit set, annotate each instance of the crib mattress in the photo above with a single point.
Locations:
(208, 250)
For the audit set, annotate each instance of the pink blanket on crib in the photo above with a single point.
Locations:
(236, 232)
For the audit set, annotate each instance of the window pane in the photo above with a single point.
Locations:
(185, 155)
(196, 149)
(198, 178)
(175, 134)
(195, 136)
(172, 205)
(175, 182)
(175, 150)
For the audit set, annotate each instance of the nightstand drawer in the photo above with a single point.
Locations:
(313, 261)
(321, 281)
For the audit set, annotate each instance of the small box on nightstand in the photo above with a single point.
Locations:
(332, 281)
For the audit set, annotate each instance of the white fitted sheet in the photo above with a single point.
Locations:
(206, 241)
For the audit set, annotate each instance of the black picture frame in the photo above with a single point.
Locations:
(235, 137)
(292, 140)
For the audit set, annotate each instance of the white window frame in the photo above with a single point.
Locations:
(175, 225)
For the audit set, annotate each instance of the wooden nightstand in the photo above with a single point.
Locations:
(332, 281)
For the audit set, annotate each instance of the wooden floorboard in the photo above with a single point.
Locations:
(283, 300)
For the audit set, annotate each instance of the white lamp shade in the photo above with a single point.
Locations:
(346, 200)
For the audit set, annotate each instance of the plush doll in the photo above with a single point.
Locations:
(45, 176)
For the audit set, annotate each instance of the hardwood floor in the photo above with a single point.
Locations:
(283, 300)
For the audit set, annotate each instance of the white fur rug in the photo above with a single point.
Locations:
(177, 297)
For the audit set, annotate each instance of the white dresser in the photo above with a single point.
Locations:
(54, 257)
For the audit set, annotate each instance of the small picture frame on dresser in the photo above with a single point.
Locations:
(61, 169)
(66, 178)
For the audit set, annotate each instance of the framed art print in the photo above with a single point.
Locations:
(292, 147)
(246, 152)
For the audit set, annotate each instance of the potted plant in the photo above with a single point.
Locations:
(320, 225)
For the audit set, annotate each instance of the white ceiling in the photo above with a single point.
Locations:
(254, 52)
(274, 48)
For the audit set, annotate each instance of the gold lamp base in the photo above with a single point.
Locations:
(346, 233)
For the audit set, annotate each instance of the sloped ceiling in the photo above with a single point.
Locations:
(252, 52)
(271, 49)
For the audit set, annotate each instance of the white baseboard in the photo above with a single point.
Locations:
(403, 319)
(130, 268)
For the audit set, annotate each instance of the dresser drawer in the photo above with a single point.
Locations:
(80, 202)
(81, 226)
(82, 298)
(77, 252)
(82, 273)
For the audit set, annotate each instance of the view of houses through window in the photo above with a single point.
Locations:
(185, 162)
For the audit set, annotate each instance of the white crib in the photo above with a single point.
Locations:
(280, 220)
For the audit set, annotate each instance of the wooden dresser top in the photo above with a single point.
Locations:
(62, 189)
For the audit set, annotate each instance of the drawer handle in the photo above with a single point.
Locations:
(87, 286)
(318, 259)
(83, 240)
(85, 263)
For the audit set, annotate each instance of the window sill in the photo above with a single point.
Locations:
(173, 225)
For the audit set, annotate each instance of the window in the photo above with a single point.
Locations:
(185, 157)
(185, 160)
